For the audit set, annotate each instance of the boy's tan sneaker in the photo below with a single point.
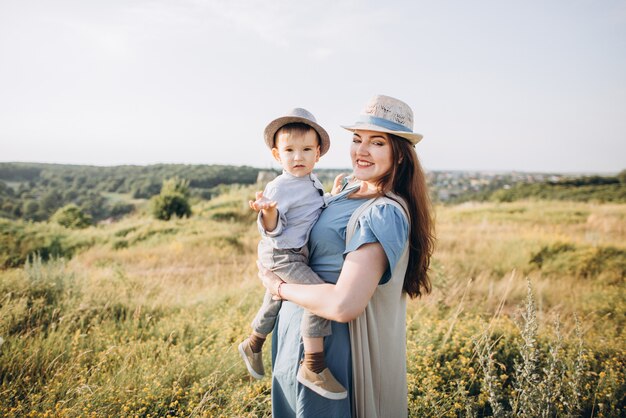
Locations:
(323, 383)
(254, 361)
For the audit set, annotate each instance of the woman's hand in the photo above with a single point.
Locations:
(269, 280)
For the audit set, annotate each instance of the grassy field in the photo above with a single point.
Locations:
(526, 318)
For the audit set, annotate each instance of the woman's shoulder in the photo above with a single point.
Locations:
(383, 222)
(387, 209)
(386, 219)
(393, 200)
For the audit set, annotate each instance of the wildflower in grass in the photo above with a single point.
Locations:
(491, 385)
(526, 384)
(576, 383)
(551, 387)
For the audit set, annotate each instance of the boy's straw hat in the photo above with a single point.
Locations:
(387, 114)
(297, 115)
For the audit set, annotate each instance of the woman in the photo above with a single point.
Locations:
(372, 245)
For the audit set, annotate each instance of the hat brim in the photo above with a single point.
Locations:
(412, 137)
(276, 124)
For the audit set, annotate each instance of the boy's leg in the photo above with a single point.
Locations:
(314, 357)
(251, 348)
(265, 318)
(292, 266)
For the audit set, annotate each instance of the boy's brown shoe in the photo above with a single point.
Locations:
(254, 361)
(323, 383)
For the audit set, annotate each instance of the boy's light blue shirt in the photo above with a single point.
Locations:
(300, 202)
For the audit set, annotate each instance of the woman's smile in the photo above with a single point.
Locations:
(371, 155)
(363, 163)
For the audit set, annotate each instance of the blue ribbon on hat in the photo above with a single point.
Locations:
(383, 123)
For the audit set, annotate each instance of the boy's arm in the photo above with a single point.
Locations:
(268, 211)
(269, 218)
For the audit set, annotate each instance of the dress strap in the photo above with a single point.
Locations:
(343, 193)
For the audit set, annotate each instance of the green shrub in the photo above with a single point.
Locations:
(549, 252)
(173, 200)
(584, 262)
(39, 301)
(120, 244)
(19, 241)
(70, 216)
(120, 209)
(246, 216)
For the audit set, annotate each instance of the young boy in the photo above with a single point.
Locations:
(288, 208)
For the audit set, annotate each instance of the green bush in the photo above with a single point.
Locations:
(40, 299)
(70, 216)
(18, 242)
(120, 209)
(581, 261)
(549, 252)
(173, 200)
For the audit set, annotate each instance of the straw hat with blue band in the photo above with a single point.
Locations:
(389, 115)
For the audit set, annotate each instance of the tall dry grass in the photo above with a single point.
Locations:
(145, 322)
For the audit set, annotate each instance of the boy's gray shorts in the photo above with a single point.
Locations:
(292, 266)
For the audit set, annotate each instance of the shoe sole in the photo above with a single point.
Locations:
(322, 392)
(248, 365)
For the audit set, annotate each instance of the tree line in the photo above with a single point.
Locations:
(32, 191)
(88, 194)
(582, 189)
(602, 189)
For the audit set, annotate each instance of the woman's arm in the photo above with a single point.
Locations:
(344, 301)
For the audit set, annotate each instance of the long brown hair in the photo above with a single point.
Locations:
(407, 179)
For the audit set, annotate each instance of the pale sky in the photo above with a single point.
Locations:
(494, 85)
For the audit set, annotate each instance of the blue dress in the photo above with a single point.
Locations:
(384, 224)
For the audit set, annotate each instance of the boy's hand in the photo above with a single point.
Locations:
(337, 184)
(262, 203)
(268, 210)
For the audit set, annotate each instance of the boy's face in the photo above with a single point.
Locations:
(297, 153)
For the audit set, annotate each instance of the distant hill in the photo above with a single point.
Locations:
(35, 191)
(581, 189)
(459, 187)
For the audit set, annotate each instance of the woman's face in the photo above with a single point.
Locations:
(371, 155)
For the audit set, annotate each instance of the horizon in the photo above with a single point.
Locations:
(523, 86)
(347, 169)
